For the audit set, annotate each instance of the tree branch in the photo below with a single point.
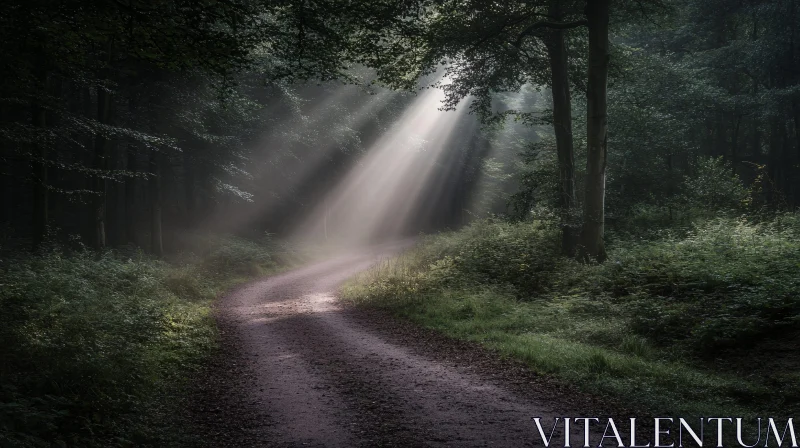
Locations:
(551, 25)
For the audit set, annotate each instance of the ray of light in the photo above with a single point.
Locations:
(287, 169)
(378, 197)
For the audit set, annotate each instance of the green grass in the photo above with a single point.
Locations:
(674, 325)
(97, 349)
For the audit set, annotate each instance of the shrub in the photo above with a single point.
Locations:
(238, 256)
(92, 345)
(714, 186)
(649, 325)
(521, 255)
(727, 281)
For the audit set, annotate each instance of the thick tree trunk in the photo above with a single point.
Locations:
(100, 163)
(562, 126)
(156, 245)
(592, 247)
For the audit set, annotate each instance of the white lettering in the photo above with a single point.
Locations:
(586, 429)
(659, 432)
(739, 433)
(546, 440)
(789, 426)
(697, 440)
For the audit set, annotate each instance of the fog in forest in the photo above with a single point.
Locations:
(605, 192)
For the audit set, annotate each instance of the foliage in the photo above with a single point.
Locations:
(728, 281)
(537, 173)
(93, 345)
(660, 312)
(715, 186)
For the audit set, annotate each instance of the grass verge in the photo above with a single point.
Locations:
(696, 323)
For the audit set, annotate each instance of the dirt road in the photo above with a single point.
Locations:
(302, 370)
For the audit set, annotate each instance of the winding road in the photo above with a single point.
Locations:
(301, 370)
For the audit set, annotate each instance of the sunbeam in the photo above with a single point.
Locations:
(378, 196)
(285, 169)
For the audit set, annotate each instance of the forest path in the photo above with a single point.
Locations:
(300, 369)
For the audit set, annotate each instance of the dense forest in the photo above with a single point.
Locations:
(601, 183)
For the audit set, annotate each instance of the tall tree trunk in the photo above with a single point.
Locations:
(592, 246)
(130, 196)
(735, 145)
(562, 126)
(795, 53)
(100, 163)
(156, 245)
(7, 164)
(775, 169)
(113, 203)
(670, 184)
(207, 189)
(755, 142)
(720, 137)
(189, 188)
(87, 159)
(793, 161)
(39, 174)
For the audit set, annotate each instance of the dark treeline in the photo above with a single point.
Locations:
(643, 94)
(714, 79)
(126, 123)
(94, 98)
(123, 123)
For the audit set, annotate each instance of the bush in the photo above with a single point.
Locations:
(657, 314)
(238, 256)
(518, 255)
(714, 186)
(92, 346)
(727, 282)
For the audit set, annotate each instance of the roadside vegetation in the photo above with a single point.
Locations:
(97, 348)
(693, 320)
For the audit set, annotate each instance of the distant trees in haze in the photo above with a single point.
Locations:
(104, 106)
(118, 117)
(663, 84)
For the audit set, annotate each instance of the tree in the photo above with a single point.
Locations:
(592, 247)
(113, 52)
(562, 126)
(487, 48)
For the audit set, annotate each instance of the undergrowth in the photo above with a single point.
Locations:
(97, 349)
(683, 323)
